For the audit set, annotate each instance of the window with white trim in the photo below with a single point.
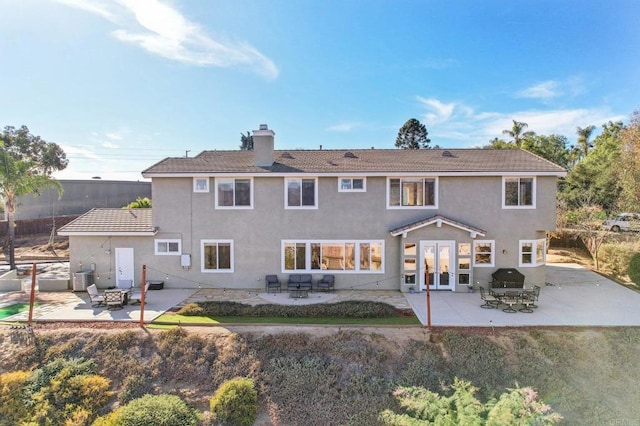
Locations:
(234, 193)
(216, 255)
(333, 255)
(301, 193)
(518, 192)
(352, 184)
(532, 252)
(168, 247)
(412, 193)
(483, 253)
(200, 184)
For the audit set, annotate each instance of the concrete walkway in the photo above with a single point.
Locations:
(573, 296)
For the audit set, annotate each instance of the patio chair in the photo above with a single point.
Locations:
(326, 283)
(536, 295)
(136, 294)
(114, 299)
(527, 300)
(490, 301)
(510, 299)
(273, 282)
(96, 298)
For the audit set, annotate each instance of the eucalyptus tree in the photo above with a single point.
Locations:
(26, 165)
(517, 132)
(553, 148)
(629, 170)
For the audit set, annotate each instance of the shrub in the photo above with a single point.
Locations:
(616, 257)
(235, 402)
(421, 406)
(347, 309)
(191, 309)
(165, 410)
(65, 391)
(634, 268)
(12, 408)
(135, 386)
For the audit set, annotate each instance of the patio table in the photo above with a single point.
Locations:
(298, 293)
(509, 297)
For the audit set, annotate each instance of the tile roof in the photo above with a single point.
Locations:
(437, 220)
(111, 222)
(361, 161)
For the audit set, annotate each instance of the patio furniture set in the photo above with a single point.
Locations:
(525, 298)
(117, 297)
(507, 288)
(299, 285)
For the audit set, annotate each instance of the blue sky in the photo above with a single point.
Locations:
(121, 84)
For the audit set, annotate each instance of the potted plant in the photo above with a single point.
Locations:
(412, 289)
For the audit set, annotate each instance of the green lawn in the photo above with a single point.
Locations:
(186, 320)
(16, 308)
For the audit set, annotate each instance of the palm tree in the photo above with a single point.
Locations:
(517, 132)
(583, 139)
(17, 178)
(139, 203)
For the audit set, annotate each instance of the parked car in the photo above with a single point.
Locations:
(623, 222)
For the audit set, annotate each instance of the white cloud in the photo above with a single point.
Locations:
(99, 7)
(460, 125)
(114, 136)
(343, 127)
(162, 30)
(545, 90)
(439, 111)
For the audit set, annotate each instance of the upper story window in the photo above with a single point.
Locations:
(518, 192)
(301, 193)
(532, 252)
(412, 193)
(200, 184)
(352, 185)
(168, 247)
(234, 193)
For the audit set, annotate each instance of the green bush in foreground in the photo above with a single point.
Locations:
(165, 410)
(65, 392)
(421, 406)
(235, 402)
(12, 407)
(634, 269)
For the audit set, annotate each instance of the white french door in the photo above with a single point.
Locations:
(437, 265)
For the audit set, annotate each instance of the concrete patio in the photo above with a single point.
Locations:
(573, 296)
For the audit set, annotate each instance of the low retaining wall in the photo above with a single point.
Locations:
(9, 281)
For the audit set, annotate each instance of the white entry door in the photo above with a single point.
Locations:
(438, 265)
(124, 264)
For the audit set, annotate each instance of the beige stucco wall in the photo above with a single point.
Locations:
(257, 233)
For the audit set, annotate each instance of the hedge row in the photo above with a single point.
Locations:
(347, 309)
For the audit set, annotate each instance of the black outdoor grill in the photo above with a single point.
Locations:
(507, 278)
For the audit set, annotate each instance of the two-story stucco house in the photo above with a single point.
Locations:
(376, 219)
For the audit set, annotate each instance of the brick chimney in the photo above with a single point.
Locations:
(263, 146)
